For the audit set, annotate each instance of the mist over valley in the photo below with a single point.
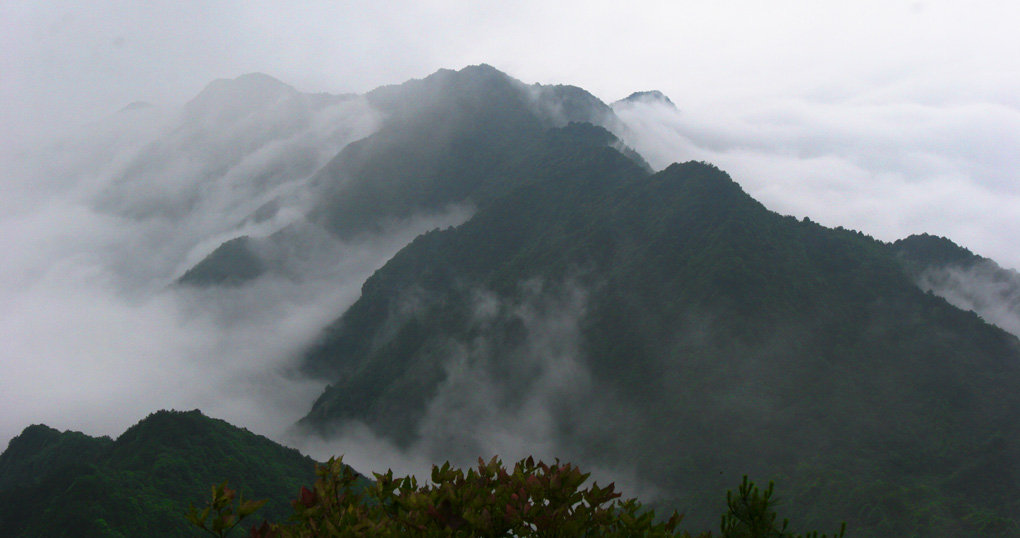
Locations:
(818, 291)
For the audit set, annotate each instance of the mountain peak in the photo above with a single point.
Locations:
(932, 250)
(32, 437)
(40, 449)
(702, 173)
(481, 69)
(142, 483)
(651, 97)
(225, 99)
(159, 424)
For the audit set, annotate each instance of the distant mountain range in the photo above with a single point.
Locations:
(664, 325)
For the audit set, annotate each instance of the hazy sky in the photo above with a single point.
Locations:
(847, 89)
(76, 60)
(885, 116)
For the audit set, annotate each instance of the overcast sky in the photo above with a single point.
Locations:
(849, 90)
(890, 117)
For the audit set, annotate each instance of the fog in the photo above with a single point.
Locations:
(891, 118)
(96, 227)
(537, 398)
(889, 170)
(984, 288)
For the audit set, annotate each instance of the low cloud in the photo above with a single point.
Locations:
(984, 288)
(885, 168)
(511, 402)
(84, 351)
(96, 334)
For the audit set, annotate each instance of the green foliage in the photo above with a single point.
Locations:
(925, 251)
(533, 499)
(139, 484)
(751, 514)
(39, 450)
(226, 514)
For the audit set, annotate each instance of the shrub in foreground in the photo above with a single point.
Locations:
(533, 499)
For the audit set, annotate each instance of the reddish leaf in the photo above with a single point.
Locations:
(308, 497)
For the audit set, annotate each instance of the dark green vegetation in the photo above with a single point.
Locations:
(532, 499)
(68, 484)
(146, 483)
(967, 280)
(706, 337)
(922, 252)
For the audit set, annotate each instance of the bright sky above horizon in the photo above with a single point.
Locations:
(98, 56)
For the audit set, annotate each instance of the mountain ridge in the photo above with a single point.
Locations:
(141, 483)
(835, 310)
(441, 146)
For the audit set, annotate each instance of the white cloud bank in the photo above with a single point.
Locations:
(95, 229)
(888, 170)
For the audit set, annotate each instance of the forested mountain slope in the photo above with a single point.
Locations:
(68, 484)
(671, 324)
(963, 278)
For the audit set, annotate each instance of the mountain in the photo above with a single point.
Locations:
(66, 483)
(233, 262)
(670, 324)
(225, 100)
(250, 135)
(439, 150)
(549, 293)
(234, 161)
(966, 280)
(445, 136)
(651, 96)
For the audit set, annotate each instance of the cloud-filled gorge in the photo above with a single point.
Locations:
(97, 227)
